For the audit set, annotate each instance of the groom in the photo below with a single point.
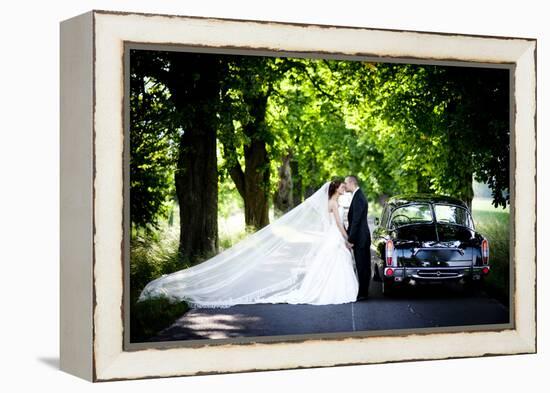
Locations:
(359, 234)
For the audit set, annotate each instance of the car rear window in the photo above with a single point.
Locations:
(411, 214)
(450, 214)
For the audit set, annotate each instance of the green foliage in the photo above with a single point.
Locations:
(424, 128)
(375, 209)
(229, 200)
(149, 317)
(230, 213)
(152, 254)
(447, 124)
(306, 118)
(248, 81)
(399, 127)
(153, 150)
(494, 224)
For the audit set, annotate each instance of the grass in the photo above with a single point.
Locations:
(231, 230)
(151, 255)
(149, 317)
(493, 223)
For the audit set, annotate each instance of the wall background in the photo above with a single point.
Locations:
(29, 196)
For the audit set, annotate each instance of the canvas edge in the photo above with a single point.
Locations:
(76, 196)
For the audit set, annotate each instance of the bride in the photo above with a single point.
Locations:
(300, 258)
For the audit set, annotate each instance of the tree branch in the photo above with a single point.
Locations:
(236, 173)
(233, 166)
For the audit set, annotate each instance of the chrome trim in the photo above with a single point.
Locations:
(438, 273)
(444, 273)
(441, 268)
(440, 277)
(415, 250)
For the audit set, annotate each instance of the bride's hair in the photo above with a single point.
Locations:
(333, 187)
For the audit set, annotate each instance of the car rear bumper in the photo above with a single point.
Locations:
(435, 274)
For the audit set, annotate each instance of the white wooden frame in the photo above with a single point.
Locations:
(92, 143)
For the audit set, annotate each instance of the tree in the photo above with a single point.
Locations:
(440, 126)
(310, 132)
(287, 125)
(244, 132)
(478, 117)
(193, 82)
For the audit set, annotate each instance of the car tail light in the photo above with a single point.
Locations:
(389, 253)
(389, 272)
(485, 251)
(485, 270)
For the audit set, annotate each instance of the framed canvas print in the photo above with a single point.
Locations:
(243, 195)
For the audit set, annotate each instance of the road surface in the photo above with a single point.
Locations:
(421, 307)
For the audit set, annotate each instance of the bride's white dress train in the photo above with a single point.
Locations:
(300, 258)
(330, 277)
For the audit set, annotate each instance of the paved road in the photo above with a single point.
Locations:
(432, 306)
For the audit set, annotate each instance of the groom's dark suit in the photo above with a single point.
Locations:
(359, 235)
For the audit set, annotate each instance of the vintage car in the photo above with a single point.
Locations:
(423, 238)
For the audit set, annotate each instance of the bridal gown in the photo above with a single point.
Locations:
(299, 258)
(330, 277)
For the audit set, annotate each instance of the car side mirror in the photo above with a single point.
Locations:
(376, 221)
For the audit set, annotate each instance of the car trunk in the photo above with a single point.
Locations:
(434, 245)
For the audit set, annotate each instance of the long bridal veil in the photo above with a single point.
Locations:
(262, 268)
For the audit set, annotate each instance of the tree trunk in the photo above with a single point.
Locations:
(197, 191)
(256, 189)
(467, 193)
(297, 189)
(283, 198)
(423, 184)
(253, 182)
(194, 82)
(382, 198)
